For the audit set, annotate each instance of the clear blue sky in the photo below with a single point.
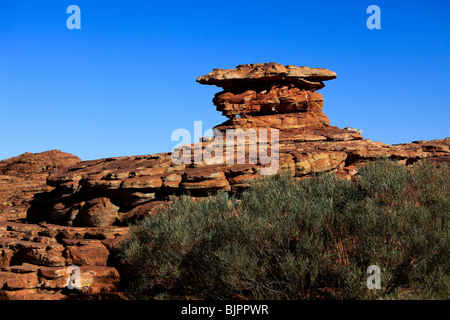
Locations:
(126, 80)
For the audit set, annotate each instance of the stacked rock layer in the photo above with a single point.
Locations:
(270, 96)
(34, 257)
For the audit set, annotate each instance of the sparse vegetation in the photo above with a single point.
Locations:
(301, 239)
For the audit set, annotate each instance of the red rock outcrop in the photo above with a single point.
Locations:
(82, 214)
(23, 176)
(245, 75)
(270, 95)
(34, 258)
(117, 191)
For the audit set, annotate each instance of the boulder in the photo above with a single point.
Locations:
(100, 212)
(23, 176)
(246, 75)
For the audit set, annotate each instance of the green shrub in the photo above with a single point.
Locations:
(289, 239)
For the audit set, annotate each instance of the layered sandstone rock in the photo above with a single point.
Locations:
(269, 95)
(23, 176)
(81, 215)
(34, 259)
(245, 75)
(117, 191)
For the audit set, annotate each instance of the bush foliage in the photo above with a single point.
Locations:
(301, 239)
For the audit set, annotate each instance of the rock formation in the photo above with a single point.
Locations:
(34, 258)
(82, 213)
(270, 95)
(23, 176)
(117, 191)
